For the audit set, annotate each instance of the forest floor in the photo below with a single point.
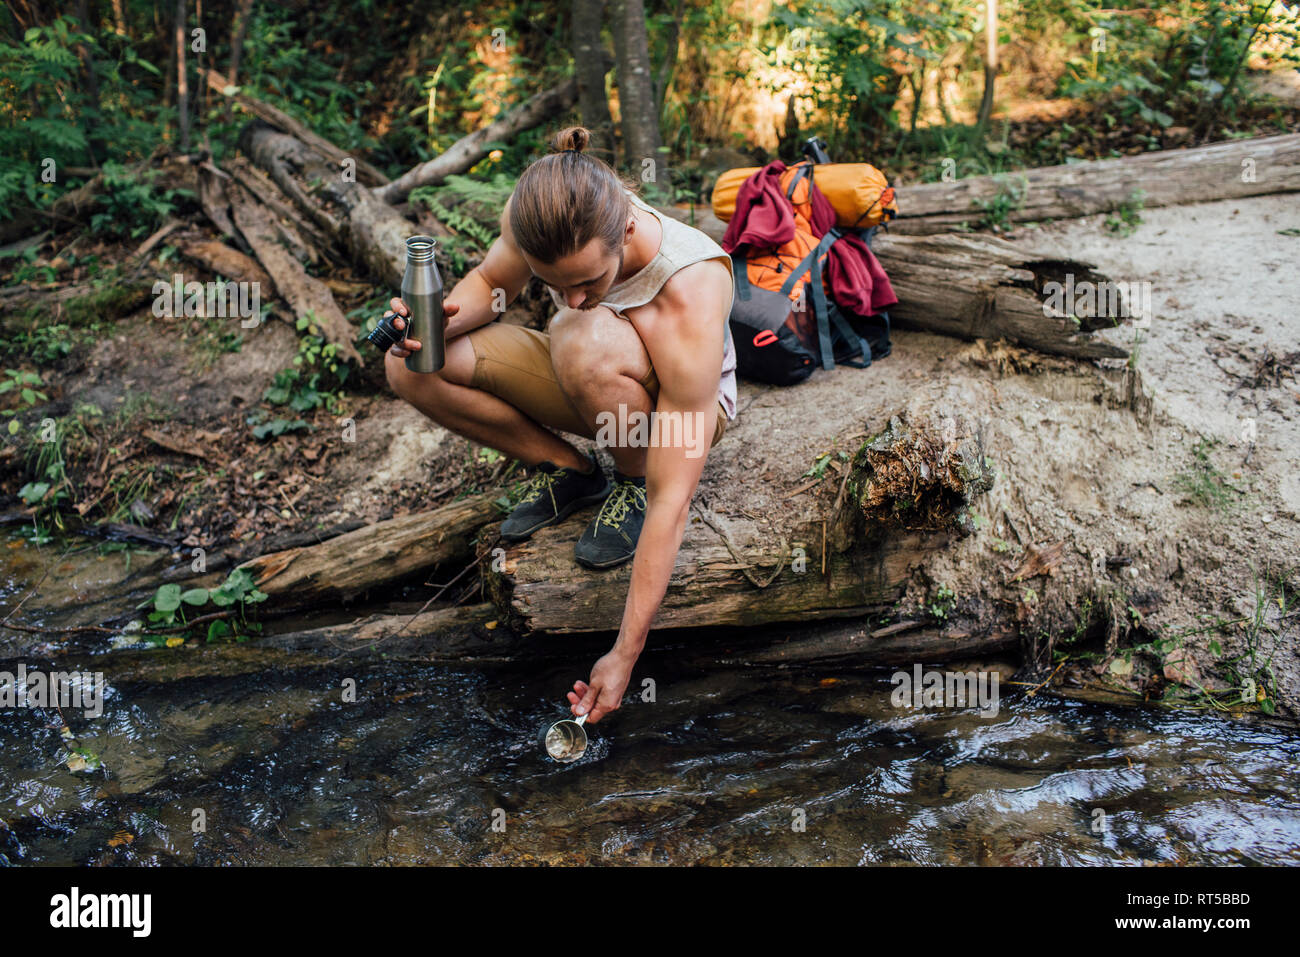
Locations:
(1142, 529)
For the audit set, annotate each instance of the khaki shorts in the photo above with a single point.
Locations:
(514, 363)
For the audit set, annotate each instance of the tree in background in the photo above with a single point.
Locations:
(590, 64)
(638, 112)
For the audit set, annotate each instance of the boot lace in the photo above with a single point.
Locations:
(616, 506)
(541, 483)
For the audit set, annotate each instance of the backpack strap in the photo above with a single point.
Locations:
(827, 312)
(849, 334)
(804, 169)
(740, 272)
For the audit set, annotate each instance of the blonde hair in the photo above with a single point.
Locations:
(568, 198)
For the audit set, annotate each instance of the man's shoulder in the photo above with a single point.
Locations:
(690, 293)
(707, 271)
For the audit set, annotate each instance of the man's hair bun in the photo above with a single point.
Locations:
(573, 138)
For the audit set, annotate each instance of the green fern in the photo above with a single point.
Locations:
(468, 206)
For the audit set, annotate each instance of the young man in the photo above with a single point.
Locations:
(641, 328)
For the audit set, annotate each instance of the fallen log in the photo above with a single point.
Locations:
(373, 232)
(864, 644)
(68, 208)
(468, 150)
(376, 555)
(1165, 178)
(905, 496)
(304, 292)
(366, 173)
(973, 286)
(260, 185)
(982, 287)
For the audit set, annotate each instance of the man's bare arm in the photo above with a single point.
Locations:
(685, 342)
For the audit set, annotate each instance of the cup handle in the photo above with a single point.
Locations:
(580, 720)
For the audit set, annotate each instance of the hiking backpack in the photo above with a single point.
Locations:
(778, 339)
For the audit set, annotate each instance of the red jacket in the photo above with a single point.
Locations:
(764, 217)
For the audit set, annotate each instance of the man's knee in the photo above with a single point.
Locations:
(592, 349)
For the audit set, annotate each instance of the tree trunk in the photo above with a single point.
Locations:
(638, 116)
(92, 80)
(1164, 178)
(244, 11)
(590, 64)
(182, 83)
(671, 39)
(990, 64)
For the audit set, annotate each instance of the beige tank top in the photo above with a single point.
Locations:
(682, 245)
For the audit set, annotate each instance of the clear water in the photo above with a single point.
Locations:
(720, 769)
(239, 755)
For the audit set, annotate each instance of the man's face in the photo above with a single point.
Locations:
(581, 279)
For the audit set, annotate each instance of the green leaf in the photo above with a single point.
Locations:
(33, 492)
(168, 598)
(195, 596)
(218, 629)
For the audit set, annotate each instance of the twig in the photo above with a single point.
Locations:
(1033, 691)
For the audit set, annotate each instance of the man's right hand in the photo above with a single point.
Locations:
(398, 308)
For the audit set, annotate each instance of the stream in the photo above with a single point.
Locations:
(234, 754)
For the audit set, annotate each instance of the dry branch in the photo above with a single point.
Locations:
(468, 150)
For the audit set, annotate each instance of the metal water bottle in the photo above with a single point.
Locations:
(422, 293)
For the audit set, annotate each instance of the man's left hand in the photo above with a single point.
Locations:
(609, 678)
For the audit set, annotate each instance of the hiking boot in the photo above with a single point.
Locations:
(611, 537)
(552, 495)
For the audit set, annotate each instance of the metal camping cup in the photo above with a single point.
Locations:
(422, 293)
(564, 740)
